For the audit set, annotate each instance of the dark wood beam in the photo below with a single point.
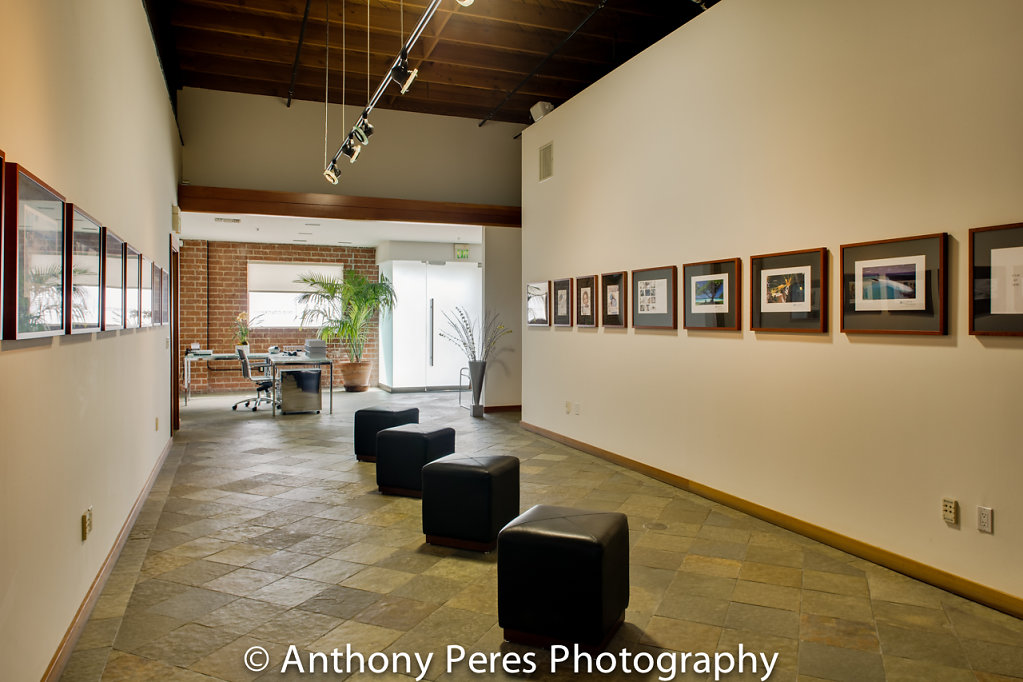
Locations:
(197, 199)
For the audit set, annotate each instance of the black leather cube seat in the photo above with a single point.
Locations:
(468, 499)
(402, 451)
(563, 576)
(370, 420)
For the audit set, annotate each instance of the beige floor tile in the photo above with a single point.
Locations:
(395, 613)
(375, 579)
(242, 581)
(295, 627)
(363, 637)
(680, 635)
(849, 634)
(289, 591)
(907, 670)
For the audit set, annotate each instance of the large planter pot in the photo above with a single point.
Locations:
(356, 375)
(477, 371)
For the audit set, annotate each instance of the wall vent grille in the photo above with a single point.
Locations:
(546, 161)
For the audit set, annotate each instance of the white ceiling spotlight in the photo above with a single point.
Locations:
(464, 3)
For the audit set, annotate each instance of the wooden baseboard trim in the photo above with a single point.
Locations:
(81, 619)
(977, 592)
(501, 408)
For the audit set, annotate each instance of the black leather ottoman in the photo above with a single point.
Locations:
(402, 451)
(370, 420)
(563, 576)
(467, 499)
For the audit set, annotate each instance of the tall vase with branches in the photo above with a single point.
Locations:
(477, 339)
(343, 308)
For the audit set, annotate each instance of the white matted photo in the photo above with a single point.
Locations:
(653, 296)
(709, 293)
(536, 303)
(614, 297)
(785, 289)
(585, 297)
(1007, 281)
(891, 283)
(562, 302)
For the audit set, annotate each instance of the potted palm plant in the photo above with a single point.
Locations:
(344, 307)
(477, 339)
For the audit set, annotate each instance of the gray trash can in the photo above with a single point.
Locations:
(300, 390)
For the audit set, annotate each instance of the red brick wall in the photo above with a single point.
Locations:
(214, 289)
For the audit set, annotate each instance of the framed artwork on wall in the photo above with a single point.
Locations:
(84, 264)
(789, 291)
(157, 296)
(132, 287)
(33, 241)
(586, 298)
(561, 298)
(3, 207)
(996, 280)
(538, 296)
(113, 280)
(654, 299)
(711, 294)
(895, 286)
(146, 293)
(614, 299)
(166, 297)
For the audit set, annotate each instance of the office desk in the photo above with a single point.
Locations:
(280, 360)
(194, 357)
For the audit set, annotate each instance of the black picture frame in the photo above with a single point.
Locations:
(895, 286)
(132, 287)
(538, 304)
(3, 242)
(113, 281)
(996, 280)
(712, 294)
(146, 293)
(789, 291)
(655, 298)
(562, 303)
(587, 301)
(614, 299)
(33, 253)
(157, 296)
(84, 267)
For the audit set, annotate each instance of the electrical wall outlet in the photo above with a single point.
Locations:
(985, 519)
(950, 511)
(568, 407)
(86, 524)
(577, 408)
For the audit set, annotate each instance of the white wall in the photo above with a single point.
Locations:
(256, 142)
(85, 109)
(502, 268)
(765, 127)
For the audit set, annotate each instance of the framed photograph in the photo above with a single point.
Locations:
(84, 263)
(132, 287)
(33, 241)
(712, 299)
(166, 298)
(996, 280)
(895, 286)
(562, 298)
(113, 280)
(146, 304)
(789, 291)
(654, 299)
(614, 297)
(586, 297)
(538, 295)
(157, 296)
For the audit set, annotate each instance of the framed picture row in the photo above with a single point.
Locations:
(890, 286)
(63, 272)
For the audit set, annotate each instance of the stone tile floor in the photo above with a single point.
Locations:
(264, 531)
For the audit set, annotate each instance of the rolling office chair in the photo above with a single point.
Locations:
(264, 383)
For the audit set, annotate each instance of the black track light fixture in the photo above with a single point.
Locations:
(363, 130)
(400, 73)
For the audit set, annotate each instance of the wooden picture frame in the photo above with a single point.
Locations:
(157, 296)
(146, 293)
(614, 299)
(33, 252)
(83, 264)
(996, 280)
(538, 304)
(587, 301)
(113, 280)
(895, 286)
(712, 294)
(655, 298)
(166, 289)
(562, 304)
(132, 287)
(789, 291)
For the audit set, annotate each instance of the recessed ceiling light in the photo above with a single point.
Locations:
(312, 224)
(300, 240)
(309, 233)
(227, 220)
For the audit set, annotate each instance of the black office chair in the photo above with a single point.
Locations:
(264, 383)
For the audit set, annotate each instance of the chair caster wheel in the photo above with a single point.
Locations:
(234, 407)
(254, 409)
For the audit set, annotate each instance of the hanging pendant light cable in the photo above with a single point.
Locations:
(326, 82)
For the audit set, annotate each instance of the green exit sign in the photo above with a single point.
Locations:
(461, 252)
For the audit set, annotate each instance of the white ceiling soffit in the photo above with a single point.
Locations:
(326, 231)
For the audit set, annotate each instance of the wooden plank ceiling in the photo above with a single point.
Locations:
(469, 58)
